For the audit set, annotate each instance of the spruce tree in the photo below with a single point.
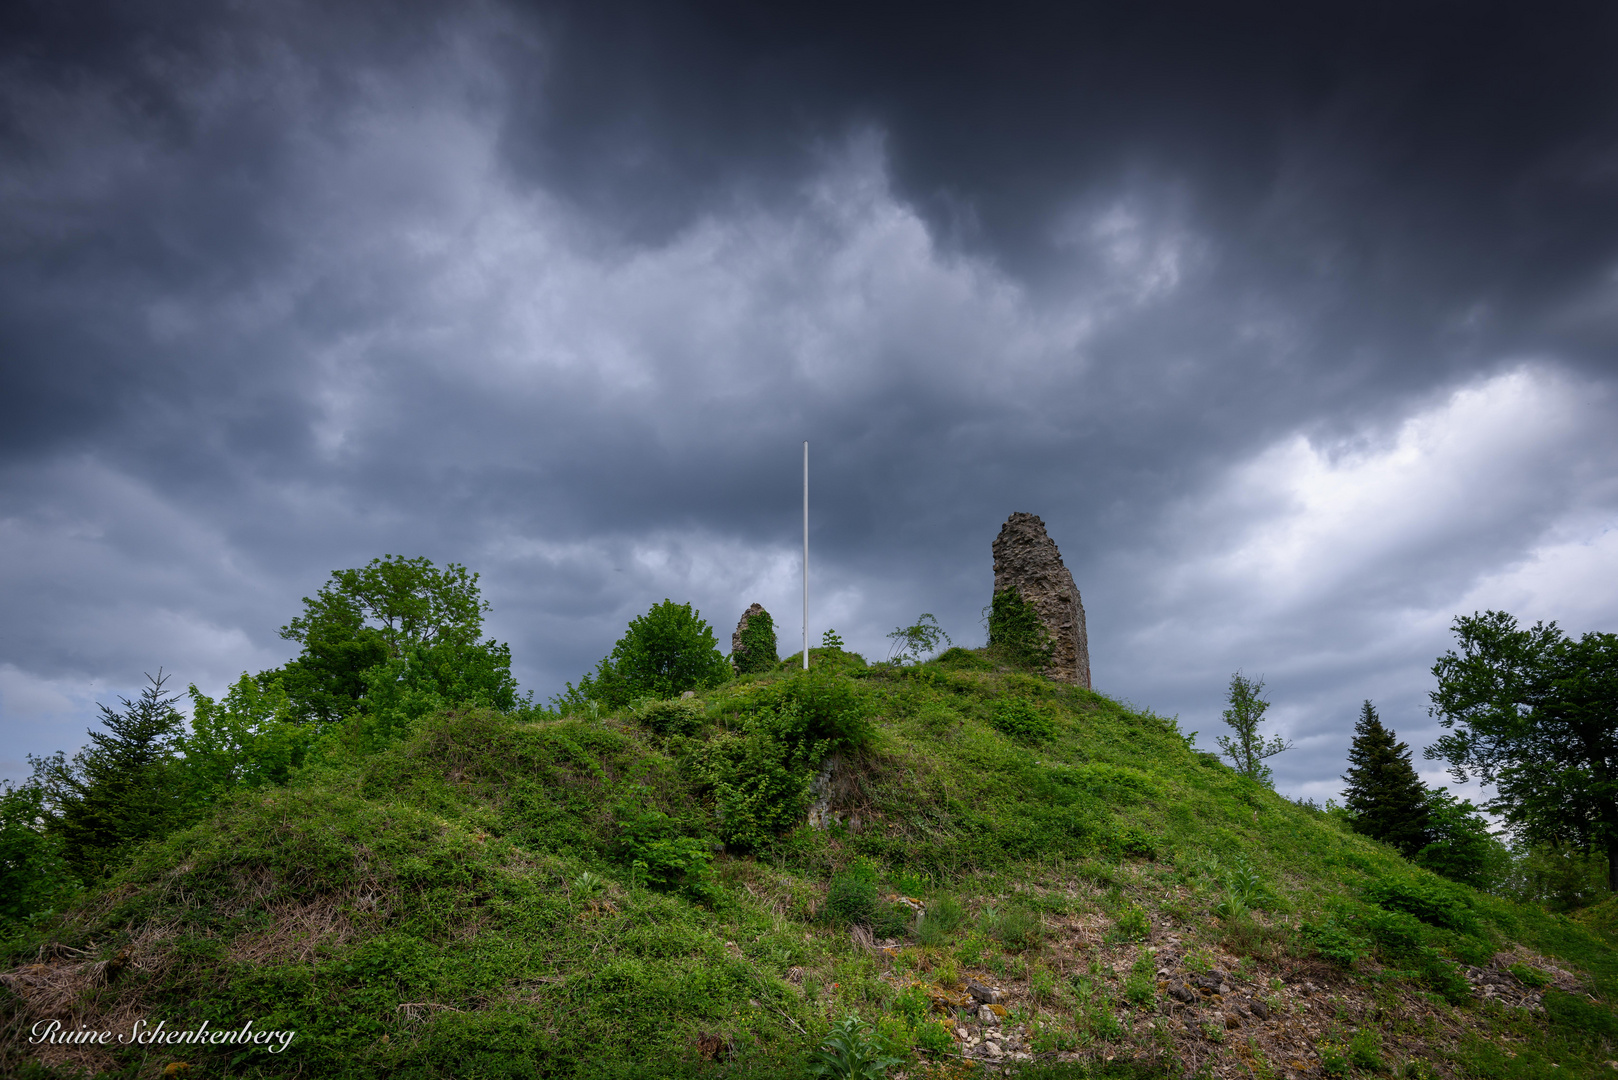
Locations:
(1386, 797)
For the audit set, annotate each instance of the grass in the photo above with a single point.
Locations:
(501, 897)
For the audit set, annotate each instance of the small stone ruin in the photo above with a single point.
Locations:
(739, 658)
(1026, 559)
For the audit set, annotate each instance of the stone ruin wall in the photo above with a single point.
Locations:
(1025, 558)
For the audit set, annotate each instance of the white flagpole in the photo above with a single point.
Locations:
(806, 555)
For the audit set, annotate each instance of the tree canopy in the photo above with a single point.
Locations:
(1535, 713)
(666, 651)
(367, 617)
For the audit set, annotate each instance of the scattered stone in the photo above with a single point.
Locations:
(987, 1017)
(960, 1033)
(992, 1049)
(1180, 993)
(688, 695)
(1026, 559)
(1259, 1009)
(985, 994)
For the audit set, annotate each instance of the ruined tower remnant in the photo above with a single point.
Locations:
(1026, 559)
(752, 646)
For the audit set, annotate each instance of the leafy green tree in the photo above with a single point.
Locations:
(1463, 848)
(1245, 713)
(250, 738)
(1386, 797)
(366, 617)
(121, 789)
(757, 649)
(34, 872)
(1535, 713)
(1017, 633)
(666, 651)
(912, 644)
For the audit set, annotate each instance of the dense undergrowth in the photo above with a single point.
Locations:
(639, 894)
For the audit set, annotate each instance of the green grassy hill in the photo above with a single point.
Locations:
(639, 895)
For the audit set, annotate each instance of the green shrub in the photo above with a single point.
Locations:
(1015, 926)
(1132, 924)
(1529, 976)
(1433, 902)
(959, 659)
(1572, 1010)
(650, 846)
(759, 782)
(935, 1038)
(1334, 942)
(941, 919)
(852, 896)
(1140, 986)
(1365, 1050)
(674, 716)
(666, 651)
(1017, 717)
(912, 1004)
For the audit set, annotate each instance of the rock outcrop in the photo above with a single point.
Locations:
(1025, 558)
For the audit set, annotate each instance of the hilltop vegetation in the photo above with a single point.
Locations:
(522, 894)
(988, 869)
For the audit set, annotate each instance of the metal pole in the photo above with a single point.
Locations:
(806, 555)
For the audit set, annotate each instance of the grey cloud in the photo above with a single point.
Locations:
(558, 292)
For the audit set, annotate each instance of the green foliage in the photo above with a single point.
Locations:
(1560, 878)
(851, 898)
(1334, 942)
(758, 779)
(756, 651)
(1463, 848)
(1015, 925)
(1132, 924)
(853, 1051)
(1244, 714)
(1140, 986)
(1020, 719)
(665, 652)
(1531, 712)
(1433, 902)
(251, 738)
(651, 848)
(830, 641)
(913, 644)
(1386, 797)
(1016, 632)
(935, 1038)
(34, 872)
(672, 717)
(121, 789)
(943, 916)
(959, 659)
(367, 616)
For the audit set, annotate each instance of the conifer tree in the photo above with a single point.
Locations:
(121, 789)
(1386, 797)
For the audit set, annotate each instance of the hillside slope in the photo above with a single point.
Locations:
(526, 895)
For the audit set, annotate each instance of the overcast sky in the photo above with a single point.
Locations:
(1297, 323)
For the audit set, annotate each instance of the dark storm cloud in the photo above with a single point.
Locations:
(1296, 325)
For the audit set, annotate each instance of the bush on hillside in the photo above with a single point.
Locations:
(1018, 718)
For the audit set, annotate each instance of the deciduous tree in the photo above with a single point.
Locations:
(1245, 713)
(1535, 713)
